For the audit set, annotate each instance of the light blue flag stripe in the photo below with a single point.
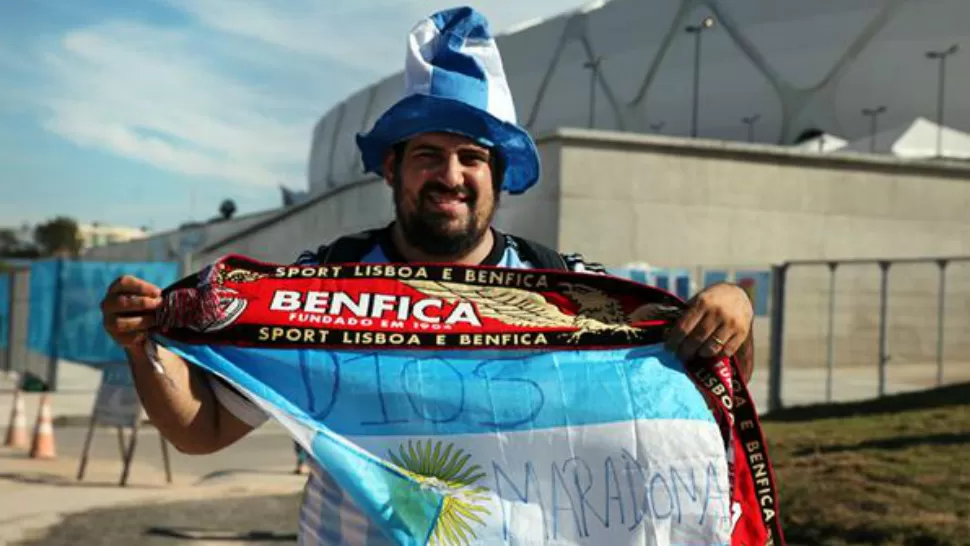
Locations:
(389, 393)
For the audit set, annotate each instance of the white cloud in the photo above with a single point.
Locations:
(366, 33)
(235, 93)
(150, 94)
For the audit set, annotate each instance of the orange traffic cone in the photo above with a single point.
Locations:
(17, 436)
(43, 445)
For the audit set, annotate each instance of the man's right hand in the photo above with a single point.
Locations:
(128, 310)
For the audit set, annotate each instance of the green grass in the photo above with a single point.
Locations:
(894, 471)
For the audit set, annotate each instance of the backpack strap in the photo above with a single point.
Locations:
(347, 249)
(539, 255)
(352, 248)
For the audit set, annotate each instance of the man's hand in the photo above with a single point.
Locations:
(715, 325)
(128, 310)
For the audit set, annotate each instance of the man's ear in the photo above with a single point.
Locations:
(390, 165)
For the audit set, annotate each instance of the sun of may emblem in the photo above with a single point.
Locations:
(447, 471)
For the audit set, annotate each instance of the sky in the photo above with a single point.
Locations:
(150, 113)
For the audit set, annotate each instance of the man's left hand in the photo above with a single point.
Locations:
(715, 325)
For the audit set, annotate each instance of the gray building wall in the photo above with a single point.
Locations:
(535, 214)
(676, 202)
(362, 205)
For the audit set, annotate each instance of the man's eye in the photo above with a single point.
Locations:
(473, 159)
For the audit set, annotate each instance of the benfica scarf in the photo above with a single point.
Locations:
(478, 405)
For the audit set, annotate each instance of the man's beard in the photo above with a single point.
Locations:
(428, 230)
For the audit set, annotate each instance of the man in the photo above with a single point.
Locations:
(447, 150)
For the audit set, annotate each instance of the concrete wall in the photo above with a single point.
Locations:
(680, 202)
(347, 209)
(535, 214)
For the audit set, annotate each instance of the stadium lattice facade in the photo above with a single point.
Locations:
(796, 65)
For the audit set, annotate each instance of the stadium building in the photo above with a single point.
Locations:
(773, 71)
(636, 171)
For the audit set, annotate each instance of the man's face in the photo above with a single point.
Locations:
(443, 192)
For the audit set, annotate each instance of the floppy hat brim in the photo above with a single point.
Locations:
(419, 114)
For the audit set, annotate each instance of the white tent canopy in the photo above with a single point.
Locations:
(916, 140)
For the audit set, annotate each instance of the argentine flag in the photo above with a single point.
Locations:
(611, 446)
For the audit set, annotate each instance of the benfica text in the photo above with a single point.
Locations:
(385, 311)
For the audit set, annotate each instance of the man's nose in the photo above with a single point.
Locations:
(453, 171)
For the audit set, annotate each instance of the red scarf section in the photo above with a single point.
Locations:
(242, 302)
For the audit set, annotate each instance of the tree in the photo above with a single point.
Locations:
(59, 236)
(8, 240)
(12, 247)
(227, 209)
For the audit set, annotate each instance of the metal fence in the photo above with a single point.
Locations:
(51, 313)
(825, 331)
(17, 356)
(856, 329)
(842, 330)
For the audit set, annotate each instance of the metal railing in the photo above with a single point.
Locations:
(782, 306)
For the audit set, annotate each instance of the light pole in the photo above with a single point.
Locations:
(697, 30)
(750, 121)
(941, 89)
(873, 114)
(594, 67)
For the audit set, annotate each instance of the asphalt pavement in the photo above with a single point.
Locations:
(42, 501)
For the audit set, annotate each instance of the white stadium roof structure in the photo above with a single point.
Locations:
(799, 64)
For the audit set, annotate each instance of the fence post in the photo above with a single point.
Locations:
(56, 319)
(779, 273)
(11, 305)
(883, 325)
(940, 314)
(830, 356)
(185, 264)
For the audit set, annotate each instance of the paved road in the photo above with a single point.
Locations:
(36, 494)
(249, 520)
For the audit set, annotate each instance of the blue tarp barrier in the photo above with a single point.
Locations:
(715, 276)
(757, 283)
(675, 280)
(65, 313)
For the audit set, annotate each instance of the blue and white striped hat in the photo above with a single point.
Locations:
(454, 82)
